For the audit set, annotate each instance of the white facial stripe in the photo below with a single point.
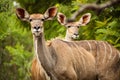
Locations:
(104, 52)
(75, 36)
(89, 46)
(110, 52)
(97, 45)
(82, 56)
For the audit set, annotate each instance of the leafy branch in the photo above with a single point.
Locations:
(93, 6)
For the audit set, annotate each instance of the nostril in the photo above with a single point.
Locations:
(76, 34)
(37, 27)
(34, 27)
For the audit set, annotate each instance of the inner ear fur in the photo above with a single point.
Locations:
(22, 14)
(50, 13)
(85, 19)
(61, 18)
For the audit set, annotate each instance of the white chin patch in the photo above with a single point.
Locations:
(37, 34)
(75, 37)
(34, 30)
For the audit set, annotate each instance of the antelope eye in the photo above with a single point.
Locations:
(78, 26)
(42, 19)
(30, 20)
(69, 26)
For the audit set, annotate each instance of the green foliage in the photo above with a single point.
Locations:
(20, 60)
(110, 32)
(34, 6)
(4, 7)
(11, 33)
(103, 27)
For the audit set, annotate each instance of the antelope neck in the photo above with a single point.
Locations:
(67, 37)
(42, 52)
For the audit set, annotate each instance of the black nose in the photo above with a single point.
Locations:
(76, 34)
(37, 27)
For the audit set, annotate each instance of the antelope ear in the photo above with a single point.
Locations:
(61, 18)
(22, 14)
(50, 13)
(85, 19)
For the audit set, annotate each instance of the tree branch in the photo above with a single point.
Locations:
(93, 6)
(98, 1)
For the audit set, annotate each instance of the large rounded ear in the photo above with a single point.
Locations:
(61, 18)
(85, 19)
(50, 13)
(22, 14)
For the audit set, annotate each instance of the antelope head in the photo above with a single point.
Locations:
(72, 31)
(36, 20)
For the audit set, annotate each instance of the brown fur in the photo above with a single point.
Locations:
(107, 58)
(37, 71)
(105, 54)
(63, 60)
(36, 22)
(73, 63)
(110, 68)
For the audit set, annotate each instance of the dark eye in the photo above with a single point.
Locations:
(30, 20)
(78, 26)
(42, 19)
(69, 26)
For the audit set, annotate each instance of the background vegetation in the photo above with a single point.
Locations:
(16, 46)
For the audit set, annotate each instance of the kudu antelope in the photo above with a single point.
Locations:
(61, 60)
(107, 57)
(72, 31)
(71, 34)
(36, 21)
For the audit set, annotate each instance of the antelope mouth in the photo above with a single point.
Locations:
(75, 36)
(36, 32)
